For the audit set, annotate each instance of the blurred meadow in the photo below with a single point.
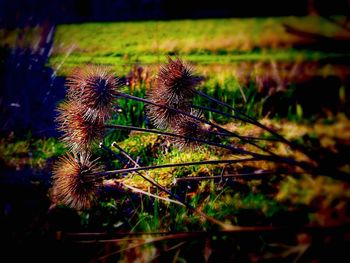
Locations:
(290, 73)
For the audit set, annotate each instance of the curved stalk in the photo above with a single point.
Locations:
(248, 176)
(171, 165)
(248, 119)
(128, 96)
(245, 137)
(162, 188)
(228, 147)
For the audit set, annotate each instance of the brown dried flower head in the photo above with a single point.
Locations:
(176, 81)
(79, 133)
(188, 127)
(162, 117)
(74, 183)
(95, 89)
(174, 88)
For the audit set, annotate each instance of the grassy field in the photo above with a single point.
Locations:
(211, 41)
(236, 56)
(285, 81)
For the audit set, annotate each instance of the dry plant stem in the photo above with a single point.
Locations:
(252, 121)
(232, 149)
(136, 190)
(228, 147)
(147, 178)
(104, 147)
(246, 176)
(128, 96)
(234, 117)
(311, 229)
(218, 112)
(248, 118)
(245, 137)
(145, 168)
(115, 144)
(162, 188)
(146, 238)
(196, 118)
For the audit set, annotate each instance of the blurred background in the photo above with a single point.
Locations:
(286, 61)
(18, 13)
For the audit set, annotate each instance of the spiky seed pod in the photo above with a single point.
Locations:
(94, 88)
(176, 81)
(162, 117)
(174, 88)
(79, 133)
(74, 184)
(188, 127)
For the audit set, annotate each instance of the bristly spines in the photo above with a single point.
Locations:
(79, 133)
(176, 81)
(191, 128)
(74, 181)
(95, 89)
(174, 87)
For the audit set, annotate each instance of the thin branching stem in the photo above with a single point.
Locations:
(203, 108)
(246, 176)
(136, 190)
(245, 137)
(251, 121)
(115, 144)
(128, 96)
(169, 165)
(148, 178)
(248, 118)
(228, 147)
(311, 229)
(162, 188)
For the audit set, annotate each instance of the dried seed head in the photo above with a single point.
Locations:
(176, 81)
(95, 89)
(74, 184)
(79, 133)
(174, 88)
(188, 127)
(162, 117)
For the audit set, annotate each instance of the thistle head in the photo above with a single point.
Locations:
(176, 81)
(189, 127)
(95, 89)
(174, 88)
(74, 183)
(79, 133)
(162, 117)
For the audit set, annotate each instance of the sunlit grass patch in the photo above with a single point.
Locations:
(33, 153)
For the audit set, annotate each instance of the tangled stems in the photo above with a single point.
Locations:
(147, 178)
(178, 111)
(248, 119)
(227, 147)
(175, 88)
(107, 174)
(179, 200)
(271, 157)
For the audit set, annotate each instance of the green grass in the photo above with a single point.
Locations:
(220, 49)
(33, 153)
(184, 36)
(199, 41)
(230, 53)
